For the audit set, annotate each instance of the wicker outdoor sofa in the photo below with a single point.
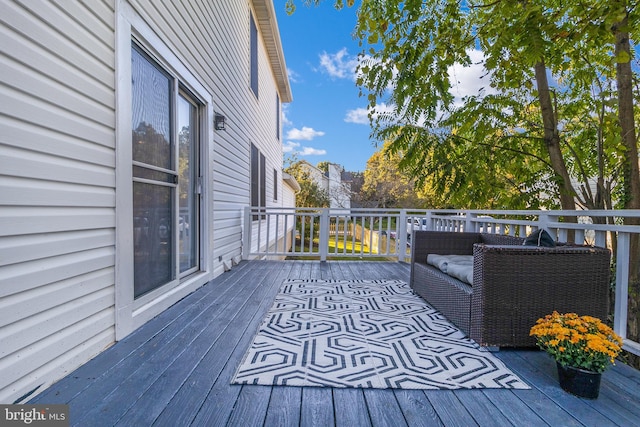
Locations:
(513, 285)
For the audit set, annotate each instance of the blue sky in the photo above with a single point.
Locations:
(327, 119)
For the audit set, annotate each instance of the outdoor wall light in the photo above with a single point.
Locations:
(219, 122)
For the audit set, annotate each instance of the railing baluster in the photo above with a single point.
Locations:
(622, 286)
(268, 226)
(359, 225)
(303, 236)
(323, 239)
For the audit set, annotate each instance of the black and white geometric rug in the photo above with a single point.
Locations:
(365, 333)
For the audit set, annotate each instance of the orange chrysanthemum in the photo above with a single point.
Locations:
(580, 341)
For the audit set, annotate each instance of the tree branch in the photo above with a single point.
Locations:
(525, 153)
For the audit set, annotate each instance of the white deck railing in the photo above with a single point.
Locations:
(322, 233)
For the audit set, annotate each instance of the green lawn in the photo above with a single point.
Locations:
(342, 247)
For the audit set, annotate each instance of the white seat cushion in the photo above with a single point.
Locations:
(458, 266)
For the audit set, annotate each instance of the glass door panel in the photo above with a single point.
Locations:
(154, 175)
(153, 242)
(188, 220)
(151, 112)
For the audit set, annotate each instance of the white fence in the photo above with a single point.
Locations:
(323, 233)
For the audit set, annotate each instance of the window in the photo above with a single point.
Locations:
(253, 32)
(263, 181)
(255, 176)
(275, 185)
(277, 116)
(258, 179)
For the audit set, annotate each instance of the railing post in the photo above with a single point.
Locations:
(324, 234)
(622, 285)
(468, 224)
(544, 219)
(401, 235)
(246, 238)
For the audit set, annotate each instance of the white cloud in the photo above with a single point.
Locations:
(470, 80)
(310, 151)
(289, 147)
(339, 65)
(293, 76)
(294, 147)
(358, 116)
(304, 134)
(285, 115)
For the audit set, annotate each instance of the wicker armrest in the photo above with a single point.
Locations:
(516, 285)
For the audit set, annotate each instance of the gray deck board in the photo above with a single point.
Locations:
(171, 359)
(317, 407)
(449, 408)
(482, 408)
(284, 407)
(350, 407)
(417, 410)
(176, 370)
(542, 391)
(384, 408)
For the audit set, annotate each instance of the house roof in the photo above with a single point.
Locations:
(291, 181)
(268, 24)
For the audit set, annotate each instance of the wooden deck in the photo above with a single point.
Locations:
(176, 371)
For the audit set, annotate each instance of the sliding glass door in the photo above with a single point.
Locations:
(166, 185)
(189, 184)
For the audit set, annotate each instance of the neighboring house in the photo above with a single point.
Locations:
(290, 189)
(120, 191)
(336, 182)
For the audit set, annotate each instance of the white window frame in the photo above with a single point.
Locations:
(132, 313)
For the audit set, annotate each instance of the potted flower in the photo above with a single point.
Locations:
(582, 346)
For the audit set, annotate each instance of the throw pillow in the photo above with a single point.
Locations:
(540, 238)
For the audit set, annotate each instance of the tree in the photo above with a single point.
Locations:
(522, 42)
(323, 166)
(387, 187)
(310, 194)
(560, 133)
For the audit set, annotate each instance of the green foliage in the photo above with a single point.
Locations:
(386, 186)
(488, 151)
(323, 166)
(310, 194)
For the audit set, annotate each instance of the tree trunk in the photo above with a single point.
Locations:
(631, 169)
(552, 143)
(624, 80)
(552, 139)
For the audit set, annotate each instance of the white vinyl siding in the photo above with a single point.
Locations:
(288, 195)
(57, 191)
(64, 288)
(216, 45)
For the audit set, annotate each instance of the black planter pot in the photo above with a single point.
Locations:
(579, 382)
